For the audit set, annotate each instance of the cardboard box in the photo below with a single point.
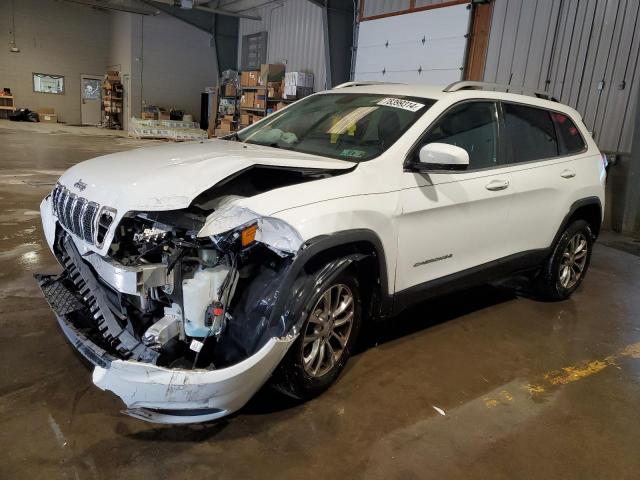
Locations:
(249, 78)
(226, 125)
(149, 116)
(271, 72)
(245, 119)
(248, 99)
(47, 115)
(280, 106)
(294, 92)
(297, 79)
(309, 80)
(230, 90)
(256, 118)
(274, 90)
(163, 114)
(112, 76)
(260, 101)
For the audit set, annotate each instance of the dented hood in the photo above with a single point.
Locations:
(169, 177)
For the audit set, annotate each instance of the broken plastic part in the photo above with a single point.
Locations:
(273, 232)
(273, 305)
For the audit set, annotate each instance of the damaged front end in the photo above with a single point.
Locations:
(183, 327)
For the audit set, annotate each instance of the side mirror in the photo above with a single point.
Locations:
(441, 156)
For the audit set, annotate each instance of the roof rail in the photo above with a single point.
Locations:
(362, 83)
(471, 85)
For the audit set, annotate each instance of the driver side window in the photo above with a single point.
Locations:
(472, 126)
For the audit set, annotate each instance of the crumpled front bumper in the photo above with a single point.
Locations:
(166, 395)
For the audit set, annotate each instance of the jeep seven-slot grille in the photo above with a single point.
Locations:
(76, 214)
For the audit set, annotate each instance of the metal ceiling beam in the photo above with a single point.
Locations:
(227, 13)
(201, 6)
(118, 7)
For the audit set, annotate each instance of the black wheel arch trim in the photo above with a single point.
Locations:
(575, 206)
(322, 243)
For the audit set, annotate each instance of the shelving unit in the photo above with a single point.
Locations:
(223, 117)
(6, 106)
(262, 111)
(112, 102)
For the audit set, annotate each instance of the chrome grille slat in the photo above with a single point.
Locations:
(76, 214)
(88, 221)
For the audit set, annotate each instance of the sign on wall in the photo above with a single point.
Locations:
(419, 47)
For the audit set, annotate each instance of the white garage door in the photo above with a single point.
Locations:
(419, 47)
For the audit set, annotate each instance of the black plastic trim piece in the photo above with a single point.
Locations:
(322, 243)
(89, 350)
(478, 275)
(583, 202)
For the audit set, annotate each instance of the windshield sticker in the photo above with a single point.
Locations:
(400, 103)
(353, 153)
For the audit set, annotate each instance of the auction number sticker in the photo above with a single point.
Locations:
(400, 103)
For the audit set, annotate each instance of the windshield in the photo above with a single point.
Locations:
(348, 126)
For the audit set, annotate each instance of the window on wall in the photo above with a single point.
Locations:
(531, 132)
(48, 83)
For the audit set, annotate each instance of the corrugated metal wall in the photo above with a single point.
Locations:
(378, 7)
(295, 36)
(585, 52)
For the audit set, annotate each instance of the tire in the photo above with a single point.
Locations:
(563, 272)
(301, 378)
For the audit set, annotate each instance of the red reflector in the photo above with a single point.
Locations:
(217, 311)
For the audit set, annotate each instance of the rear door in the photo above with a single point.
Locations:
(454, 220)
(545, 153)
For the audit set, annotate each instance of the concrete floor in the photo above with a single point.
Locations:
(482, 384)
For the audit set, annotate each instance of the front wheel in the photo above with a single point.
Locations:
(325, 342)
(564, 271)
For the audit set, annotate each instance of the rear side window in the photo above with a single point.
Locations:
(531, 133)
(570, 139)
(472, 126)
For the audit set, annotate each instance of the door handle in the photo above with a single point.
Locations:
(495, 185)
(568, 174)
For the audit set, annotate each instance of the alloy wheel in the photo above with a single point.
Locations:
(574, 260)
(328, 330)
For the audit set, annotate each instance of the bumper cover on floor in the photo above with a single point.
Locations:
(165, 395)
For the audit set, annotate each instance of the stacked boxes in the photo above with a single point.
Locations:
(226, 123)
(248, 99)
(298, 84)
(230, 90)
(249, 78)
(47, 115)
(271, 73)
(247, 119)
(274, 89)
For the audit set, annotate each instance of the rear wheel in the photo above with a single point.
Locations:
(325, 342)
(564, 271)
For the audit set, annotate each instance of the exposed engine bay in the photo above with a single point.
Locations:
(164, 295)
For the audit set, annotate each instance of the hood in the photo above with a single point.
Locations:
(169, 177)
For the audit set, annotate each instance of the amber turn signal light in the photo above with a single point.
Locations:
(248, 235)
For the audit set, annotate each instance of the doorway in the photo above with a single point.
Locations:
(91, 99)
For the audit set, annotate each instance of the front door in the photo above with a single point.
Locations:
(453, 221)
(91, 99)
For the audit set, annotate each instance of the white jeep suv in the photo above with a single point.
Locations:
(195, 272)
